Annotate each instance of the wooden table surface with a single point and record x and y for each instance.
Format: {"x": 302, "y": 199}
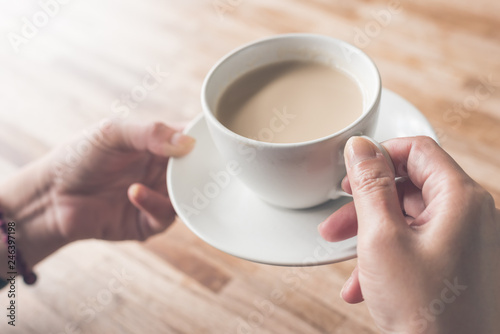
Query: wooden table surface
{"x": 69, "y": 72}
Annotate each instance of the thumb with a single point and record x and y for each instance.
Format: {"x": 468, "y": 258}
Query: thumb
{"x": 373, "y": 187}
{"x": 155, "y": 137}
{"x": 157, "y": 209}
{"x": 159, "y": 139}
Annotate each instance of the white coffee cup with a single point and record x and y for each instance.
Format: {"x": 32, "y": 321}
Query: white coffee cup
{"x": 292, "y": 175}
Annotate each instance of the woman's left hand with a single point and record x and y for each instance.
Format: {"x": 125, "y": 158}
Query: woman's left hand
{"x": 110, "y": 184}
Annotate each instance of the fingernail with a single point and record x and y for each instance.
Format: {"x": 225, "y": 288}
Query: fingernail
{"x": 135, "y": 191}
{"x": 320, "y": 231}
{"x": 180, "y": 139}
{"x": 359, "y": 149}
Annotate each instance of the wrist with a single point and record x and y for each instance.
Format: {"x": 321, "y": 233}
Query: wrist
{"x": 25, "y": 198}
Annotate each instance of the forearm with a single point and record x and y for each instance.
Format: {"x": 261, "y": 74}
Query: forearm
{"x": 26, "y": 200}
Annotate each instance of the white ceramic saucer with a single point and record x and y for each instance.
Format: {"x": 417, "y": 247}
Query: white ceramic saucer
{"x": 230, "y": 217}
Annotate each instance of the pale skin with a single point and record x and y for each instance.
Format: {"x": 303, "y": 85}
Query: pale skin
{"x": 428, "y": 246}
{"x": 114, "y": 191}
{"x": 415, "y": 238}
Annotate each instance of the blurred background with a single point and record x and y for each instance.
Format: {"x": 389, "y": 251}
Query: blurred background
{"x": 65, "y": 65}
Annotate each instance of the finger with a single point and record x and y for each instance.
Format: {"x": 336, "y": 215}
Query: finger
{"x": 341, "y": 225}
{"x": 157, "y": 208}
{"x": 411, "y": 198}
{"x": 433, "y": 171}
{"x": 421, "y": 158}
{"x": 346, "y": 186}
{"x": 351, "y": 291}
{"x": 373, "y": 187}
{"x": 155, "y": 178}
{"x": 155, "y": 137}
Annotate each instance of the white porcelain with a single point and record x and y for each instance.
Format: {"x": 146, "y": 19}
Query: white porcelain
{"x": 295, "y": 175}
{"x": 230, "y": 217}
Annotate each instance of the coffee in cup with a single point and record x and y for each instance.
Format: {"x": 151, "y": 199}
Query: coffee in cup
{"x": 320, "y": 100}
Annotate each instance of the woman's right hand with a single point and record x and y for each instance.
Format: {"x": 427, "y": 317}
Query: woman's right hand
{"x": 428, "y": 247}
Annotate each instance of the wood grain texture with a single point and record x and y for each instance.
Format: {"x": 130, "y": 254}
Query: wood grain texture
{"x": 441, "y": 55}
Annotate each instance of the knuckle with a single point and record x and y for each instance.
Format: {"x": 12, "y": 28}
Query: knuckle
{"x": 388, "y": 234}
{"x": 480, "y": 197}
{"x": 424, "y": 143}
{"x": 373, "y": 180}
{"x": 157, "y": 129}
{"x": 489, "y": 201}
{"x": 423, "y": 146}
{"x": 463, "y": 189}
{"x": 470, "y": 188}
{"x": 477, "y": 204}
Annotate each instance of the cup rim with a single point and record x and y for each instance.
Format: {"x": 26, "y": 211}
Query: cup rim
{"x": 209, "y": 113}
